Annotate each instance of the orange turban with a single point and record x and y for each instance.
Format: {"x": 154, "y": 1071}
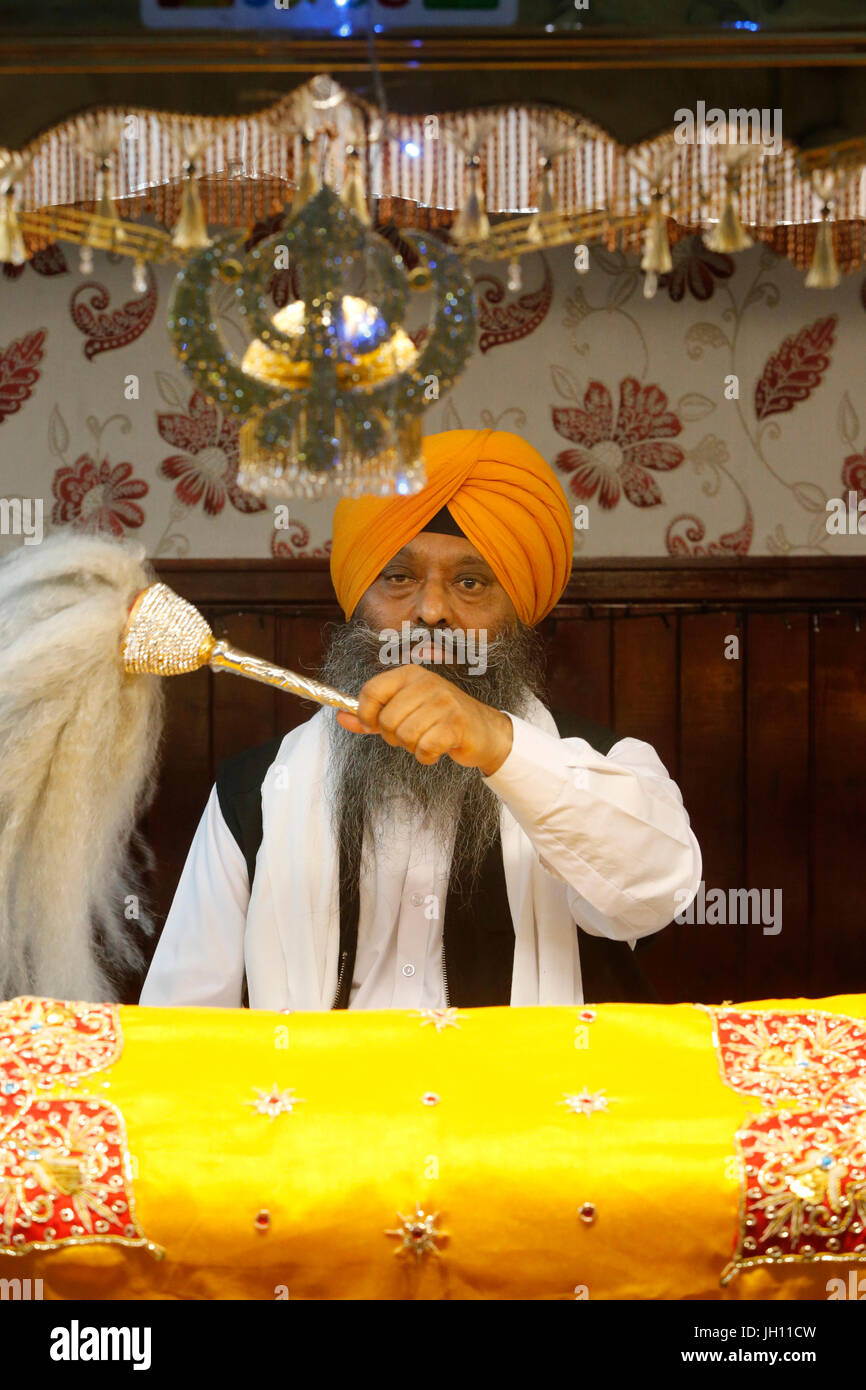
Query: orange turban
{"x": 506, "y": 500}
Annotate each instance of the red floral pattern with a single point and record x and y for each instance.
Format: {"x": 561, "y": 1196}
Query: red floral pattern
{"x": 685, "y": 534}
{"x": 795, "y": 369}
{"x": 696, "y": 270}
{"x": 613, "y": 458}
{"x": 290, "y": 543}
{"x": 803, "y": 1161}
{"x": 854, "y": 475}
{"x": 207, "y": 468}
{"x": 98, "y": 498}
{"x": 107, "y": 331}
{"x": 19, "y": 371}
{"x": 499, "y": 322}
{"x": 49, "y": 261}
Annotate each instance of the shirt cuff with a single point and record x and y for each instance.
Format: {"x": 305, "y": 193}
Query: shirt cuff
{"x": 532, "y": 751}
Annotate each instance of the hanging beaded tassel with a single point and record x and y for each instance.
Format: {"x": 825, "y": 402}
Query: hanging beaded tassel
{"x": 12, "y": 248}
{"x": 309, "y": 183}
{"x": 105, "y": 204}
{"x": 190, "y": 232}
{"x": 546, "y": 203}
{"x": 824, "y": 273}
{"x": 352, "y": 193}
{"x": 473, "y": 223}
{"x": 656, "y": 257}
{"x": 729, "y": 234}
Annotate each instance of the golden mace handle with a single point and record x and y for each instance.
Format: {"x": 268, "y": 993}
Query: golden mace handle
{"x": 226, "y": 658}
{"x": 165, "y": 635}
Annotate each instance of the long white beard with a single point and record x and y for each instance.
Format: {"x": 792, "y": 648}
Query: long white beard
{"x": 365, "y": 772}
{"x": 78, "y": 747}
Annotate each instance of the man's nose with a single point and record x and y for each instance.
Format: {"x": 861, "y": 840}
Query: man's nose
{"x": 433, "y": 605}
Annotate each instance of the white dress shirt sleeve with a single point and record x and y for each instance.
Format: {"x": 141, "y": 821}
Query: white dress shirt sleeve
{"x": 200, "y": 955}
{"x": 613, "y": 828}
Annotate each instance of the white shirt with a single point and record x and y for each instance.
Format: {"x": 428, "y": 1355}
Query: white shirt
{"x": 610, "y": 834}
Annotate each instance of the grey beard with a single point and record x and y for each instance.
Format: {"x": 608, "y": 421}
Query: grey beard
{"x": 366, "y": 774}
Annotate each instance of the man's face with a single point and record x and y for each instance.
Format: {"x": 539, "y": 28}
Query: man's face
{"x": 434, "y": 582}
{"x": 438, "y": 581}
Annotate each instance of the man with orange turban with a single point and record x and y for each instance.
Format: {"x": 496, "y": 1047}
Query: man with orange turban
{"x": 455, "y": 843}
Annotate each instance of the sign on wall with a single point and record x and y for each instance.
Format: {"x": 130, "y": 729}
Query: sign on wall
{"x": 342, "y": 17}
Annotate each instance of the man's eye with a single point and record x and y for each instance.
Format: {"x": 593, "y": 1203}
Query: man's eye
{"x": 398, "y": 576}
{"x": 469, "y": 579}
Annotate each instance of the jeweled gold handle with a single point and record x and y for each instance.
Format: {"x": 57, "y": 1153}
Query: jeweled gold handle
{"x": 226, "y": 658}
{"x": 165, "y": 635}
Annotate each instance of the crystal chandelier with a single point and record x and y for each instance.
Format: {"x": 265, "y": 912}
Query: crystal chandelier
{"x": 330, "y": 390}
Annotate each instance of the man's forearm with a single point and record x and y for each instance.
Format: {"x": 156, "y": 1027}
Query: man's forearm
{"x": 613, "y": 828}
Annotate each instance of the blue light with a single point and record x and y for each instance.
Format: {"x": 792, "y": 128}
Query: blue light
{"x": 749, "y": 24}
{"x": 344, "y": 31}
{"x": 411, "y": 148}
{"x": 341, "y": 4}
{"x": 377, "y": 28}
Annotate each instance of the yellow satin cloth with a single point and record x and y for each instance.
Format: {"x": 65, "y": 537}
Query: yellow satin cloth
{"x": 630, "y": 1189}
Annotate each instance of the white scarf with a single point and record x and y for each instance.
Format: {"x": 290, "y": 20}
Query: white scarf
{"x": 293, "y": 919}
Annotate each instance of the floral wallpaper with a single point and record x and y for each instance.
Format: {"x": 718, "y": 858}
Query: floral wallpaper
{"x": 717, "y": 418}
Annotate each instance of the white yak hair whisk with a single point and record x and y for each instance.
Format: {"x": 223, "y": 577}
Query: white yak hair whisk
{"x": 79, "y": 740}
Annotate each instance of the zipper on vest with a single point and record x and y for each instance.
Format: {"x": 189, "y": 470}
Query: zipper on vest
{"x": 445, "y": 978}
{"x": 343, "y": 958}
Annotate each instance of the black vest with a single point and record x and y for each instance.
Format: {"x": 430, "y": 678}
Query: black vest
{"x": 478, "y": 933}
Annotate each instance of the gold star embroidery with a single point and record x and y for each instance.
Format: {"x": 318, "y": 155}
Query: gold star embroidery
{"x": 274, "y": 1102}
{"x": 441, "y": 1018}
{"x": 418, "y": 1233}
{"x": 587, "y": 1102}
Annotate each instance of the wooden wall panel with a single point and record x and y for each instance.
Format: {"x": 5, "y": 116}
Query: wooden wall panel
{"x": 645, "y": 684}
{"x": 777, "y": 800}
{"x": 244, "y": 712}
{"x": 578, "y": 667}
{"x": 186, "y": 777}
{"x": 302, "y": 644}
{"x": 707, "y": 959}
{"x": 838, "y": 960}
{"x": 646, "y": 706}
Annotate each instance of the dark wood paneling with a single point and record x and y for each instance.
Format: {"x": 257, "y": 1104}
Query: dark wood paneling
{"x": 244, "y": 712}
{"x": 777, "y": 798}
{"x": 186, "y": 777}
{"x": 645, "y": 685}
{"x": 578, "y": 667}
{"x": 654, "y": 584}
{"x": 838, "y": 956}
{"x": 710, "y": 956}
{"x": 646, "y": 706}
{"x": 302, "y": 644}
